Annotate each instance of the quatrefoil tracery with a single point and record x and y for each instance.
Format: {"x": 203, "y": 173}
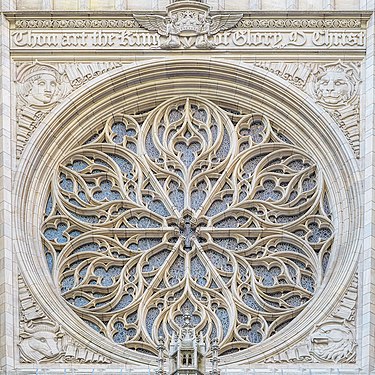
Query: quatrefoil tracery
{"x": 187, "y": 208}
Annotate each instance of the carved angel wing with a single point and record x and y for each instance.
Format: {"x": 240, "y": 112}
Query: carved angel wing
{"x": 152, "y": 23}
{"x": 223, "y": 22}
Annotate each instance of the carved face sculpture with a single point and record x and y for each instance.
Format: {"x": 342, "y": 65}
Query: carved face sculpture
{"x": 43, "y": 88}
{"x": 333, "y": 87}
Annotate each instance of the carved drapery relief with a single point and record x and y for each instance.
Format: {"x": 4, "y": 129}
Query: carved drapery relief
{"x": 156, "y": 212}
{"x": 42, "y": 340}
{"x": 40, "y": 87}
{"x": 333, "y": 86}
{"x": 333, "y": 340}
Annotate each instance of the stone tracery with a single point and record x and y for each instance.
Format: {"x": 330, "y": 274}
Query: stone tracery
{"x": 188, "y": 207}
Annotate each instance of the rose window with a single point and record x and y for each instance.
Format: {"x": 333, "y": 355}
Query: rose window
{"x": 188, "y": 208}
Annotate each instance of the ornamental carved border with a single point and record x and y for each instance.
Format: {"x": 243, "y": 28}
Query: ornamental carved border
{"x": 131, "y": 23}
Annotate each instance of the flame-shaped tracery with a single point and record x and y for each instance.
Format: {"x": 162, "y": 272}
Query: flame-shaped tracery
{"x": 187, "y": 208}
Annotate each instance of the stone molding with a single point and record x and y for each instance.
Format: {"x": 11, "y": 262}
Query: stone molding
{"x": 303, "y": 23}
{"x": 188, "y": 24}
{"x": 130, "y": 22}
{"x": 73, "y": 23}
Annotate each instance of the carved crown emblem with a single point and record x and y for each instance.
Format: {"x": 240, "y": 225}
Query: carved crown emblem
{"x": 188, "y": 18}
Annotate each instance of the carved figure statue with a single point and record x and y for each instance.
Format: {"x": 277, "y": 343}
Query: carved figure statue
{"x": 202, "y": 41}
{"x": 173, "y": 40}
{"x": 335, "y": 84}
{"x": 40, "y": 341}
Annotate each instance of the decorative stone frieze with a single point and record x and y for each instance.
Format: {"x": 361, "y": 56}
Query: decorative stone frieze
{"x": 297, "y": 23}
{"x": 246, "y": 22}
{"x": 74, "y": 23}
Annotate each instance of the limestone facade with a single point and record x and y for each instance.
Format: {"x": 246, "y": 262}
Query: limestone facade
{"x": 209, "y": 158}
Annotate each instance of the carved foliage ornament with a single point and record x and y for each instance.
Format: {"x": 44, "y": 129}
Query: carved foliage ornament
{"x": 188, "y": 20}
{"x": 187, "y": 208}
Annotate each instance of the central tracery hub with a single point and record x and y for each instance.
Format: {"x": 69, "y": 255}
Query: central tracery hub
{"x": 187, "y": 208}
{"x": 188, "y": 231}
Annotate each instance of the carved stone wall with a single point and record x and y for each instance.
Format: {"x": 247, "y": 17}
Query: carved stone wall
{"x": 196, "y": 158}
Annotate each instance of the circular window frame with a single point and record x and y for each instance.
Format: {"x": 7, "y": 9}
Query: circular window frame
{"x": 144, "y": 86}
